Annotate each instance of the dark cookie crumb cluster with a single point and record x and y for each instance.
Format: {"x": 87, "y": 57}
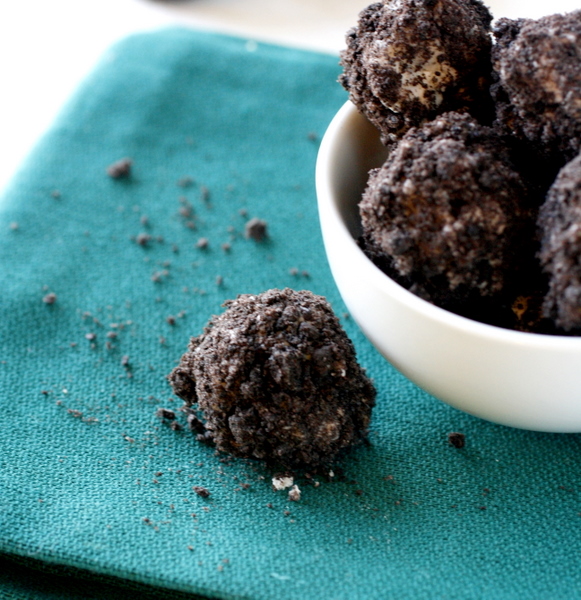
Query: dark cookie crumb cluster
{"x": 276, "y": 378}
{"x": 467, "y": 211}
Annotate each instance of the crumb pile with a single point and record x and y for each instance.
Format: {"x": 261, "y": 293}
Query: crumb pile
{"x": 276, "y": 378}
{"x": 469, "y": 204}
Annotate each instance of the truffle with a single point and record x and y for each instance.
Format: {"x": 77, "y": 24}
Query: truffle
{"x": 446, "y": 213}
{"x": 276, "y": 378}
{"x": 407, "y": 61}
{"x": 560, "y": 226}
{"x": 537, "y": 88}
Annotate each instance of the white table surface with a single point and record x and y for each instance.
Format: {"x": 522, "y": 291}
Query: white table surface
{"x": 48, "y": 46}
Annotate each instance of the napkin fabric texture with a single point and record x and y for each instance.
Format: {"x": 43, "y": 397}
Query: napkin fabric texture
{"x": 96, "y": 491}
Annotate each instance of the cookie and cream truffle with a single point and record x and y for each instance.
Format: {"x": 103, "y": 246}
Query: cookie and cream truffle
{"x": 447, "y": 211}
{"x": 276, "y": 378}
{"x": 538, "y": 83}
{"x": 407, "y": 61}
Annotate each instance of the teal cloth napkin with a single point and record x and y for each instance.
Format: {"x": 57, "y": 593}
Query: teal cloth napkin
{"x": 96, "y": 491}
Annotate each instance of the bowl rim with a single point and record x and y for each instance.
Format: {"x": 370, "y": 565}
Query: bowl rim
{"x": 328, "y": 206}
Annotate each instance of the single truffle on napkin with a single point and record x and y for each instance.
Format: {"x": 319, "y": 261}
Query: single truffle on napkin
{"x": 276, "y": 378}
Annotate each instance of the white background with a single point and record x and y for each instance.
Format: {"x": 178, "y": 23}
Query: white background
{"x": 48, "y": 46}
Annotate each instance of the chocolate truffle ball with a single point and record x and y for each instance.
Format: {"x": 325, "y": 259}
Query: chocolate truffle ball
{"x": 407, "y": 61}
{"x": 277, "y": 379}
{"x": 560, "y": 225}
{"x": 537, "y": 67}
{"x": 447, "y": 212}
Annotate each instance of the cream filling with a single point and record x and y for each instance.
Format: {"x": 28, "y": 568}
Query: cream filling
{"x": 419, "y": 76}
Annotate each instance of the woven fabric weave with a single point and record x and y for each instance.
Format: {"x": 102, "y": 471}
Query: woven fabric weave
{"x": 221, "y": 130}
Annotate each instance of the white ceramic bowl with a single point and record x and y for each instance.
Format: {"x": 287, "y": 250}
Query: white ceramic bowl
{"x": 525, "y": 380}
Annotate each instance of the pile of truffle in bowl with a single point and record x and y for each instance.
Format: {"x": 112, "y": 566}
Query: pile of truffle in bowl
{"x": 449, "y": 194}
{"x": 477, "y": 207}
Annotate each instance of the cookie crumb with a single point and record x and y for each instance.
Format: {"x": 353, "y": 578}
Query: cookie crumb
{"x": 256, "y": 229}
{"x": 195, "y": 424}
{"x": 165, "y": 413}
{"x": 456, "y": 439}
{"x": 201, "y": 491}
{"x": 120, "y": 168}
{"x": 143, "y": 239}
{"x": 282, "y": 482}
{"x": 294, "y": 494}
{"x": 50, "y": 298}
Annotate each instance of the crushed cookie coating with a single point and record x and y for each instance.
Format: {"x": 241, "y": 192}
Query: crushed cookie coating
{"x": 276, "y": 378}
{"x": 537, "y": 88}
{"x": 446, "y": 212}
{"x": 408, "y": 61}
{"x": 560, "y": 255}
